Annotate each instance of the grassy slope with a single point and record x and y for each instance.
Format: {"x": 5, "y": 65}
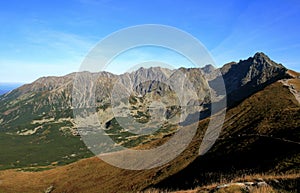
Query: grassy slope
{"x": 248, "y": 130}
{"x": 260, "y": 135}
{"x": 287, "y": 183}
{"x": 47, "y": 146}
{"x": 93, "y": 175}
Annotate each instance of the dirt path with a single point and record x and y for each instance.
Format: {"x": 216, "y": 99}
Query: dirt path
{"x": 294, "y": 87}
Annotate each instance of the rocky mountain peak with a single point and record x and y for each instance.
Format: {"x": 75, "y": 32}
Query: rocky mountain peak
{"x": 251, "y": 75}
{"x": 260, "y": 55}
{"x": 262, "y": 59}
{"x": 208, "y": 69}
{"x": 151, "y": 71}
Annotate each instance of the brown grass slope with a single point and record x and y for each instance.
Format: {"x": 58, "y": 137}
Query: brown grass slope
{"x": 274, "y": 184}
{"x": 260, "y": 135}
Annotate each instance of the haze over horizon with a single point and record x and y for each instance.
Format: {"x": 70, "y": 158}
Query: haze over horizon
{"x": 53, "y": 37}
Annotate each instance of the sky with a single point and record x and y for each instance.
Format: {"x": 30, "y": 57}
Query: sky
{"x": 43, "y": 38}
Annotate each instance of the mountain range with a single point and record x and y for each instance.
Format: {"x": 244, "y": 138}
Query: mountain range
{"x": 260, "y": 134}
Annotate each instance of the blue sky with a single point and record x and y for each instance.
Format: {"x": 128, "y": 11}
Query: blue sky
{"x": 41, "y": 38}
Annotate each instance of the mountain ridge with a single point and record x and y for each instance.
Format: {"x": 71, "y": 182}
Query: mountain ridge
{"x": 37, "y": 119}
{"x": 253, "y": 128}
{"x": 253, "y": 65}
{"x": 50, "y": 98}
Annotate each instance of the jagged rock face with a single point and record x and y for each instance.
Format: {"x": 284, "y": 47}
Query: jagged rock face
{"x": 210, "y": 72}
{"x": 262, "y": 70}
{"x": 153, "y": 73}
{"x": 208, "y": 69}
{"x": 50, "y": 95}
{"x": 147, "y": 80}
{"x": 254, "y": 71}
{"x": 248, "y": 76}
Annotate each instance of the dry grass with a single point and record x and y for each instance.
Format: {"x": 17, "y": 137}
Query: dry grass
{"x": 167, "y": 191}
{"x": 231, "y": 189}
{"x": 67, "y": 179}
{"x": 238, "y": 189}
{"x": 295, "y": 83}
{"x": 268, "y": 177}
{"x": 235, "y": 189}
{"x": 264, "y": 189}
{"x": 293, "y": 73}
{"x": 155, "y": 191}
